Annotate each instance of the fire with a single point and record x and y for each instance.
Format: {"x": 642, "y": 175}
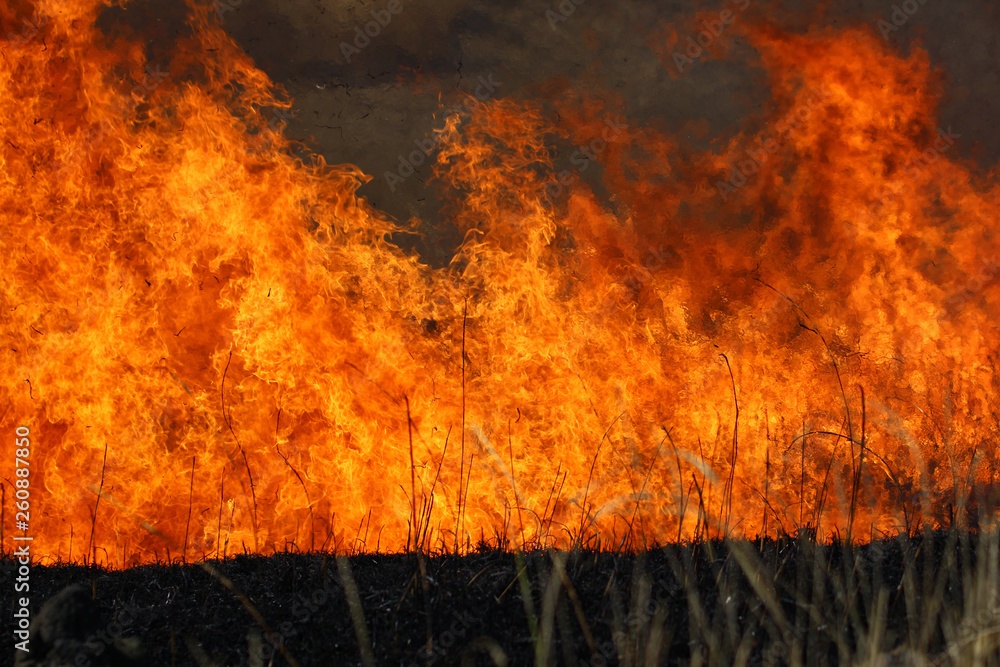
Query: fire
{"x": 218, "y": 350}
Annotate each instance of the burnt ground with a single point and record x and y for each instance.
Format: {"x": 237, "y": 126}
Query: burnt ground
{"x": 607, "y": 609}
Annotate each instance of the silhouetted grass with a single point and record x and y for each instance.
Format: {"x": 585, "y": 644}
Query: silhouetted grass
{"x": 929, "y": 598}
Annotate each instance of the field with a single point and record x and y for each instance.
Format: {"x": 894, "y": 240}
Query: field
{"x": 926, "y": 599}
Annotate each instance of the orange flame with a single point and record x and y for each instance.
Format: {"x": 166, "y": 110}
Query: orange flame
{"x": 219, "y": 342}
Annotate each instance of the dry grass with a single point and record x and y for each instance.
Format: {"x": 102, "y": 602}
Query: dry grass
{"x": 930, "y": 599}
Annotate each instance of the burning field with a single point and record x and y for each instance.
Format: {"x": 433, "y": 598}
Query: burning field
{"x": 550, "y": 305}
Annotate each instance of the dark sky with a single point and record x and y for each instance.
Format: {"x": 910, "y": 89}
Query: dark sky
{"x": 367, "y": 106}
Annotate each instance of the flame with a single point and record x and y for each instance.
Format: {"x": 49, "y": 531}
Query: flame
{"x": 217, "y": 349}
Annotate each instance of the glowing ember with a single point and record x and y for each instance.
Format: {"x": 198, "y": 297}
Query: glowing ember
{"x": 220, "y": 341}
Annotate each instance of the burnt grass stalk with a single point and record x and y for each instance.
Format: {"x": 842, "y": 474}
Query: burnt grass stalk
{"x": 930, "y": 598}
